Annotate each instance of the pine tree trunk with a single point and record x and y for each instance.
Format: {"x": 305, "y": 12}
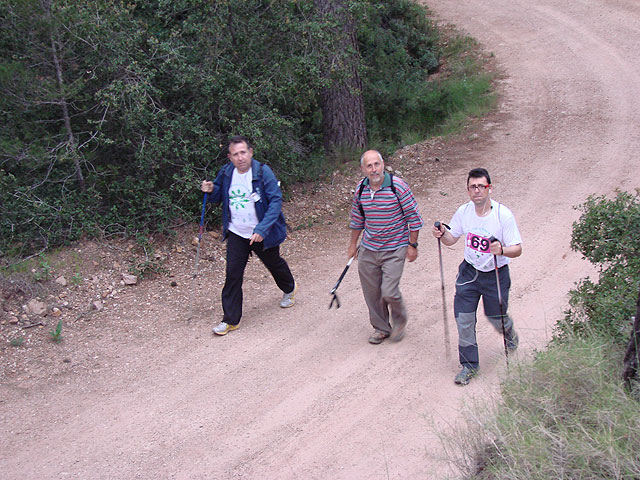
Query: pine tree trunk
{"x": 343, "y": 119}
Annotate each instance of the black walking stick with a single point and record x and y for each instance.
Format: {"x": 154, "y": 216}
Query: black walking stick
{"x": 195, "y": 270}
{"x": 504, "y": 333}
{"x": 444, "y": 301}
{"x": 335, "y": 299}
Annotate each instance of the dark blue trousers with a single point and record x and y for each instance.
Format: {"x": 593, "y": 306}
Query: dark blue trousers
{"x": 471, "y": 284}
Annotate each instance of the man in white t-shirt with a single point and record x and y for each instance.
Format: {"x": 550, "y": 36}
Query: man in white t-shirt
{"x": 489, "y": 229}
{"x": 252, "y": 221}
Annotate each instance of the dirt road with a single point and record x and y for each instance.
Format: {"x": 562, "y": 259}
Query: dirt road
{"x": 299, "y": 393}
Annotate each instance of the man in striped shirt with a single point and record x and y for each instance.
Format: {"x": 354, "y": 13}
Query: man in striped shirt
{"x": 384, "y": 207}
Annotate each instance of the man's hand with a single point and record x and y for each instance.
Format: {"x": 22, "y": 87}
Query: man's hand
{"x": 207, "y": 187}
{"x": 412, "y": 253}
{"x": 256, "y": 237}
{"x": 495, "y": 247}
{"x": 438, "y": 232}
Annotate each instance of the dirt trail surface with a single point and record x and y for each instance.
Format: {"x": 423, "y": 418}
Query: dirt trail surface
{"x": 139, "y": 391}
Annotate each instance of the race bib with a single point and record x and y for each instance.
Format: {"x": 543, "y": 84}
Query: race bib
{"x": 477, "y": 243}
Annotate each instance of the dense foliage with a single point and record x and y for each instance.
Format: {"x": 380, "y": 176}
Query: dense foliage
{"x": 112, "y": 111}
{"x": 608, "y": 235}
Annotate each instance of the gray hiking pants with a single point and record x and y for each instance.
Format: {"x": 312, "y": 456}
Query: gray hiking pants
{"x": 471, "y": 284}
{"x": 380, "y": 273}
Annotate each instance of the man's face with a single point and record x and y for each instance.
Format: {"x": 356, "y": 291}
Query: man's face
{"x": 373, "y": 167}
{"x": 478, "y": 189}
{"x": 240, "y": 155}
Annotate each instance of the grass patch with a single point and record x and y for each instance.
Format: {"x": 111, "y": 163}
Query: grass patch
{"x": 443, "y": 104}
{"x": 56, "y": 334}
{"x": 564, "y": 415}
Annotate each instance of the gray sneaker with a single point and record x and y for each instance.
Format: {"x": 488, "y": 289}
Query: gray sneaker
{"x": 223, "y": 328}
{"x": 288, "y": 299}
{"x": 512, "y": 340}
{"x": 465, "y": 375}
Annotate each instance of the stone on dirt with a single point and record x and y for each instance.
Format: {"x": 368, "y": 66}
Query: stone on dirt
{"x": 36, "y": 307}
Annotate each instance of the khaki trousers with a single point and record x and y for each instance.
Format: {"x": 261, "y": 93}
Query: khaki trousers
{"x": 380, "y": 273}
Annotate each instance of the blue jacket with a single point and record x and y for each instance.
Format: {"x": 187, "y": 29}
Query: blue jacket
{"x": 272, "y": 226}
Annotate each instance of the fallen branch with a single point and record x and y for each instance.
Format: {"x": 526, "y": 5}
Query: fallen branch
{"x": 31, "y": 325}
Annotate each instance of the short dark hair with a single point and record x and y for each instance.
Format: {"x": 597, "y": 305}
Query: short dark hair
{"x": 479, "y": 173}
{"x": 239, "y": 139}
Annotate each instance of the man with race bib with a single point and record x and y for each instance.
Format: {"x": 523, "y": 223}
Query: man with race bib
{"x": 490, "y": 231}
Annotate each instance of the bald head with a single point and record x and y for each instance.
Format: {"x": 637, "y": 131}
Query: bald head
{"x": 372, "y": 165}
{"x": 369, "y": 154}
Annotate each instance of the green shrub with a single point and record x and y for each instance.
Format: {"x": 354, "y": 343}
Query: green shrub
{"x": 404, "y": 103}
{"x": 608, "y": 235}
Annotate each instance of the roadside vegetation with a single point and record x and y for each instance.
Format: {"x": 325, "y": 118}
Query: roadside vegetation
{"x": 112, "y": 112}
{"x": 568, "y": 414}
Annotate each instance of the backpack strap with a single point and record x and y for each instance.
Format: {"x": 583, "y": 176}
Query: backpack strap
{"x": 393, "y": 189}
{"x": 395, "y": 192}
{"x": 360, "y": 195}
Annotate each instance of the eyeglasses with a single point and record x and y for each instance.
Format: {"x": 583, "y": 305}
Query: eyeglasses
{"x": 477, "y": 187}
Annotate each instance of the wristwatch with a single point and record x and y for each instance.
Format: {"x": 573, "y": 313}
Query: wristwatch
{"x": 414, "y": 245}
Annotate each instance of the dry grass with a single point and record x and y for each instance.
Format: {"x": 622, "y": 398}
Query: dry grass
{"x": 566, "y": 415}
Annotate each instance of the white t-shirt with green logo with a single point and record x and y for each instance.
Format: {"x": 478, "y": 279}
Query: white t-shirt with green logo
{"x": 242, "y": 204}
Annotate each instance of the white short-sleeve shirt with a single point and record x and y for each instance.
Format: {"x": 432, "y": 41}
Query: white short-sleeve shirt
{"x": 500, "y": 223}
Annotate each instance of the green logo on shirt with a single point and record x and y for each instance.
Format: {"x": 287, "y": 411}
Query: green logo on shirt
{"x": 238, "y": 199}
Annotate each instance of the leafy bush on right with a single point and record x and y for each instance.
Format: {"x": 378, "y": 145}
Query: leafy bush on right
{"x": 608, "y": 235}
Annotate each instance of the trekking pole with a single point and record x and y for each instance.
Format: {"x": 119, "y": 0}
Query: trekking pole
{"x": 334, "y": 299}
{"x": 504, "y": 333}
{"x": 195, "y": 270}
{"x": 444, "y": 301}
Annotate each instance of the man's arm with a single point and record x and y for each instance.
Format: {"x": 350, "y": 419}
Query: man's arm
{"x": 408, "y": 205}
{"x": 214, "y": 189}
{"x": 352, "y": 250}
{"x": 510, "y": 236}
{"x": 412, "y": 252}
{"x": 512, "y": 251}
{"x": 444, "y": 235}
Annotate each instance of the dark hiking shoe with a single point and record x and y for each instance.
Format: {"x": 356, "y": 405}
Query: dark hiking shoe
{"x": 465, "y": 375}
{"x": 513, "y": 341}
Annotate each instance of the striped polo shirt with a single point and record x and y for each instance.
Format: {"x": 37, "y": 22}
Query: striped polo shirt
{"x": 385, "y": 225}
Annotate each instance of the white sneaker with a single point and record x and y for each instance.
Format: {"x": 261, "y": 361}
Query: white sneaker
{"x": 288, "y": 299}
{"x": 223, "y": 328}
